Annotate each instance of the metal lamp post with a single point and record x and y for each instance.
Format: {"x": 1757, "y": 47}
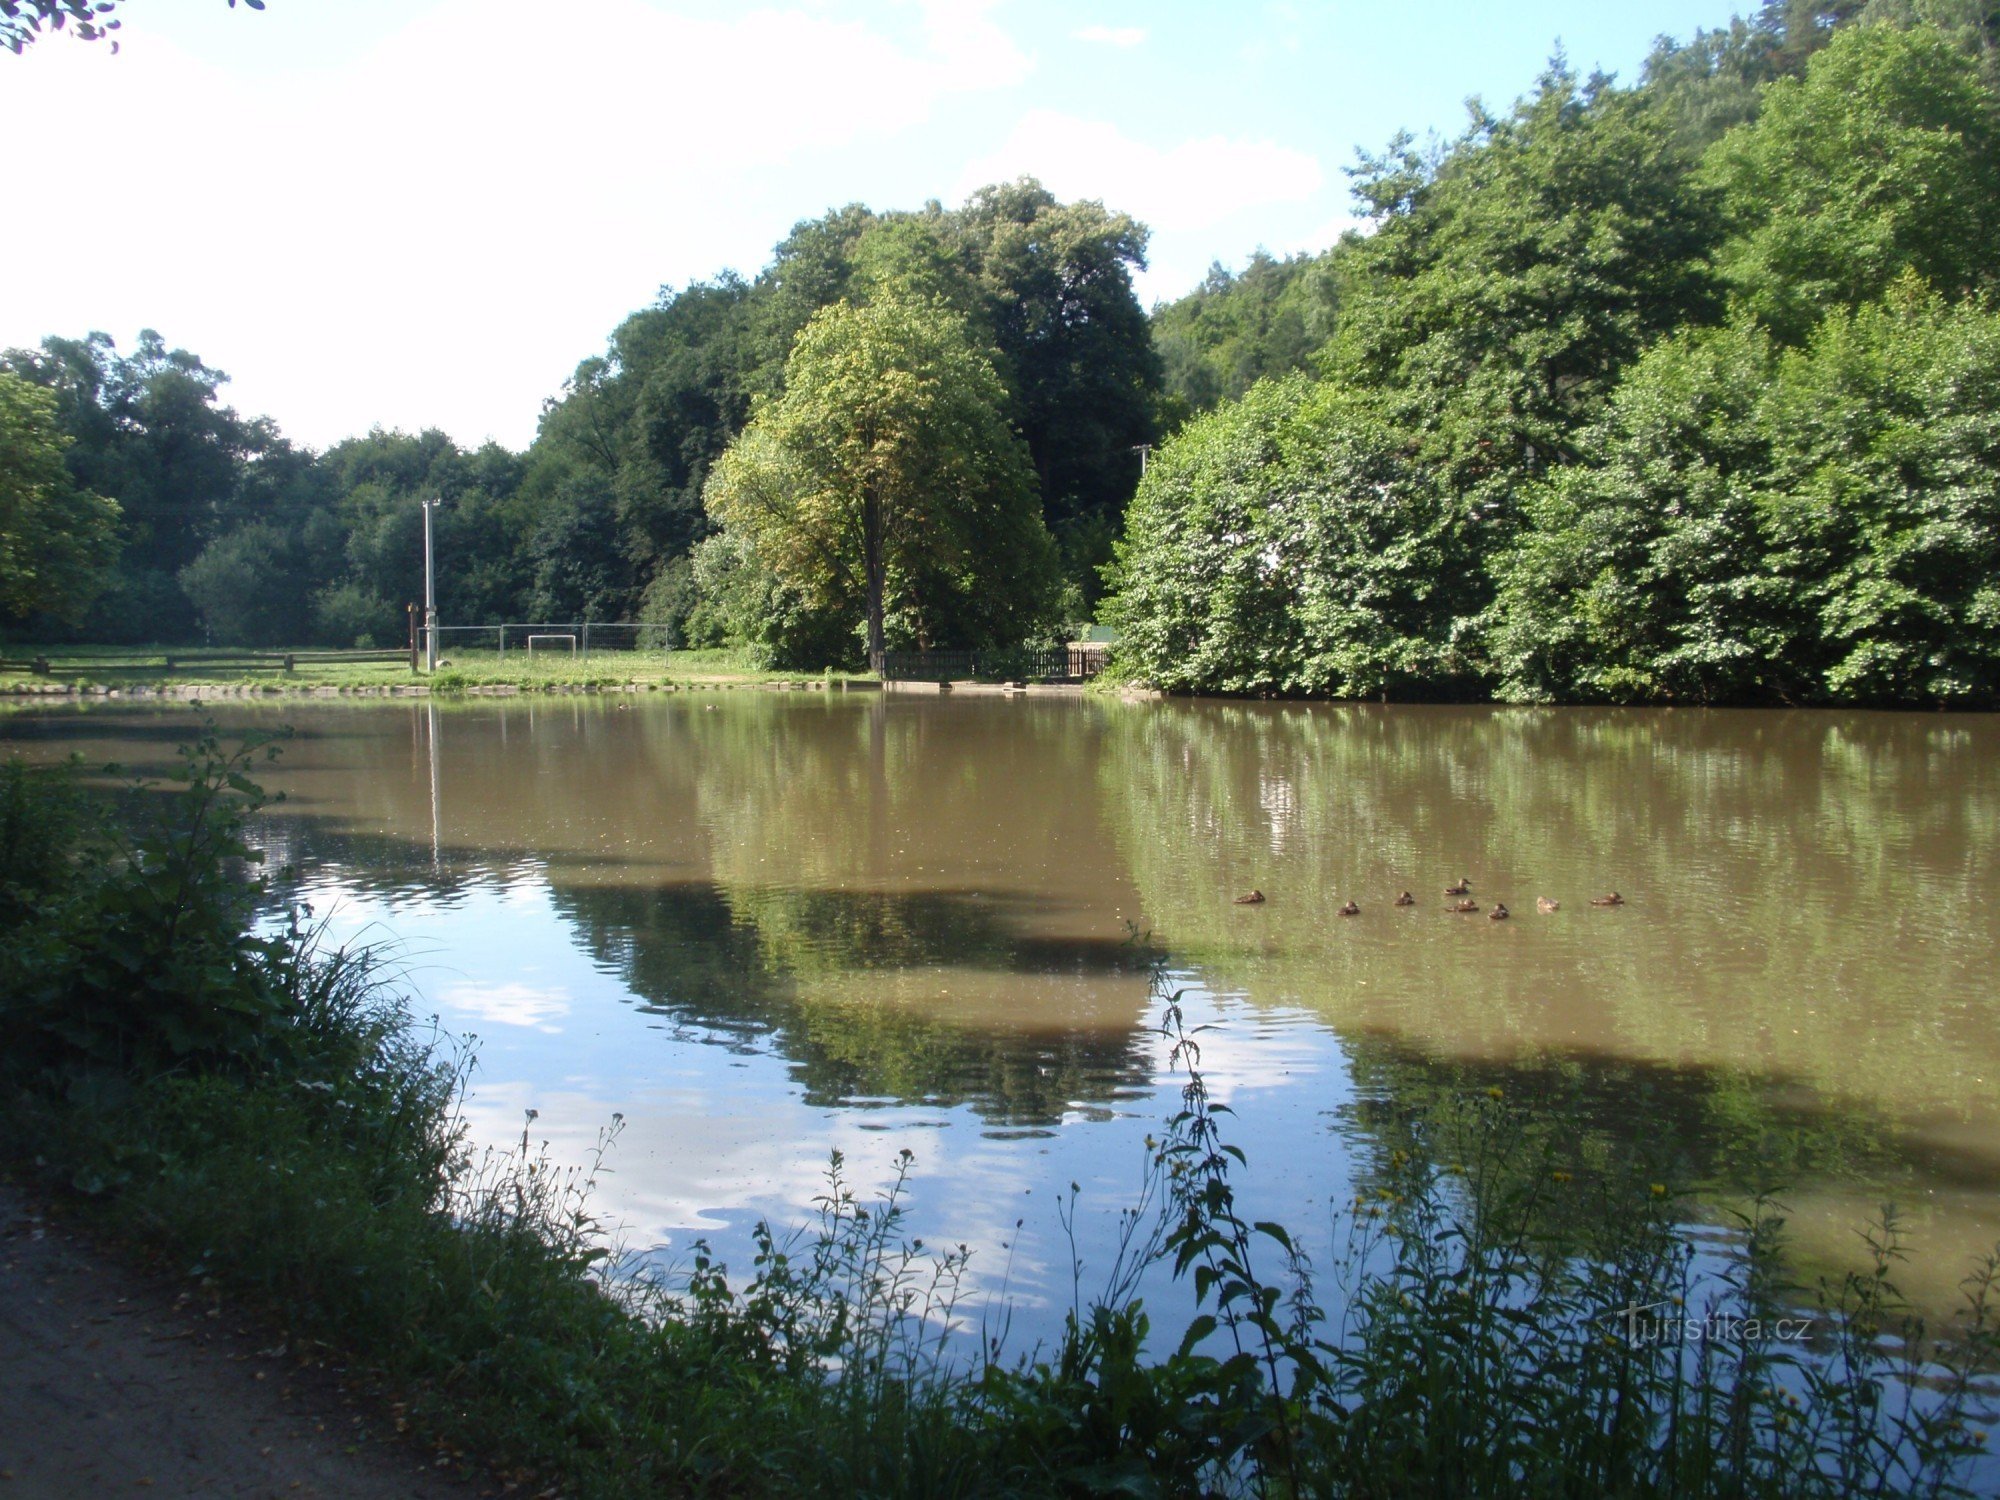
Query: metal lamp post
{"x": 430, "y": 593}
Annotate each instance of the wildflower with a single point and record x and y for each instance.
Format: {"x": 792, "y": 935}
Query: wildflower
{"x": 1496, "y": 1093}
{"x": 1659, "y": 1190}
{"x": 1562, "y": 1176}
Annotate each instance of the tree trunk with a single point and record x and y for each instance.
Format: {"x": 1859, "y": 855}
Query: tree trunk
{"x": 874, "y": 566}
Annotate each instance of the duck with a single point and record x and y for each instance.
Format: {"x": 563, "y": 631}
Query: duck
{"x": 1254, "y": 898}
{"x": 1350, "y": 910}
{"x": 1499, "y": 912}
{"x": 1463, "y": 888}
{"x": 1406, "y": 899}
{"x": 1614, "y": 899}
{"x": 1544, "y": 905}
{"x": 1466, "y": 905}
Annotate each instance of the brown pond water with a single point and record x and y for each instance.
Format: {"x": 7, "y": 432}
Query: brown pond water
{"x": 767, "y": 926}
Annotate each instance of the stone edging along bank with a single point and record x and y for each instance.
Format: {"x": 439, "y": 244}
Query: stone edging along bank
{"x": 192, "y": 691}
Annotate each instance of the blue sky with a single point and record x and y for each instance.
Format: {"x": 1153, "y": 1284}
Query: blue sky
{"x": 424, "y": 212}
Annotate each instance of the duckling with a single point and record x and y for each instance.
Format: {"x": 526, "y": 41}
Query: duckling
{"x": 1406, "y": 899}
{"x": 1544, "y": 905}
{"x": 1499, "y": 912}
{"x": 1614, "y": 899}
{"x": 1350, "y": 910}
{"x": 1466, "y": 905}
{"x": 1463, "y": 888}
{"x": 1255, "y": 898}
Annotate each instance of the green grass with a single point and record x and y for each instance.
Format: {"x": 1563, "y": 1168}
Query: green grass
{"x": 88, "y": 667}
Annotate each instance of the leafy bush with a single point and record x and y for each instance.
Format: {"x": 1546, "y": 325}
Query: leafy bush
{"x": 1290, "y": 544}
{"x": 140, "y": 961}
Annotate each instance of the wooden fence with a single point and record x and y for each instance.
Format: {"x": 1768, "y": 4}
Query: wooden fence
{"x": 199, "y": 661}
{"x": 1072, "y": 663}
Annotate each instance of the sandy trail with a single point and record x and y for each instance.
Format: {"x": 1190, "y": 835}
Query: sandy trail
{"x": 114, "y": 1384}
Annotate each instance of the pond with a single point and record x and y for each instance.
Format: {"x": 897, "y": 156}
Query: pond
{"x": 765, "y": 927}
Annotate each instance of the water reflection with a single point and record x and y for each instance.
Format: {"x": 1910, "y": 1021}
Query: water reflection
{"x": 790, "y": 920}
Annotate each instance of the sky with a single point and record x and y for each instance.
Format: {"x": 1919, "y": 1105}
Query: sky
{"x": 424, "y": 213}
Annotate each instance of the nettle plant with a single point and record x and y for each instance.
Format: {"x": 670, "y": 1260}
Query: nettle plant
{"x": 136, "y": 957}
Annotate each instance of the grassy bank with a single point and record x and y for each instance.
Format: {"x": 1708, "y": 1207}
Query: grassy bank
{"x": 152, "y": 668}
{"x": 1488, "y": 1319}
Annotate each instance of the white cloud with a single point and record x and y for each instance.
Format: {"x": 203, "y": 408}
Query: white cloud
{"x": 963, "y": 37}
{"x": 508, "y": 1004}
{"x": 1191, "y": 186}
{"x": 435, "y": 233}
{"x": 1112, "y": 36}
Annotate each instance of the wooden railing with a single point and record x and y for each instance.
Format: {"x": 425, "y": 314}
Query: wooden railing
{"x": 197, "y": 661}
{"x": 1072, "y": 663}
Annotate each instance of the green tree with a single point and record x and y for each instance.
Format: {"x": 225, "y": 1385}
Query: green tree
{"x": 1759, "y": 525}
{"x": 1883, "y": 158}
{"x": 148, "y": 430}
{"x": 1235, "y": 330}
{"x": 1074, "y": 348}
{"x": 251, "y": 587}
{"x": 1644, "y": 574}
{"x": 57, "y": 541}
{"x": 1291, "y": 543}
{"x": 885, "y": 484}
{"x": 1884, "y": 489}
{"x": 1509, "y": 282}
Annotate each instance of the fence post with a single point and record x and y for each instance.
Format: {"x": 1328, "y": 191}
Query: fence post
{"x": 586, "y": 640}
{"x": 41, "y": 666}
{"x": 288, "y": 662}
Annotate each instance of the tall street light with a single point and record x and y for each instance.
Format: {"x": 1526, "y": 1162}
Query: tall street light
{"x": 430, "y": 592}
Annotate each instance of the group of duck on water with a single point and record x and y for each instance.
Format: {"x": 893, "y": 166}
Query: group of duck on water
{"x": 1463, "y": 890}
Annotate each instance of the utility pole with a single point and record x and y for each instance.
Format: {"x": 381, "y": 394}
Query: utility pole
{"x": 430, "y": 593}
{"x": 1143, "y": 450}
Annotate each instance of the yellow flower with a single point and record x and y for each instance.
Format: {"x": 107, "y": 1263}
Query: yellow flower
{"x": 1659, "y": 1190}
{"x": 1496, "y": 1093}
{"x": 1562, "y": 1177}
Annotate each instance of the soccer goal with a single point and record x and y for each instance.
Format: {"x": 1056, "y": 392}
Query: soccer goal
{"x": 549, "y": 643}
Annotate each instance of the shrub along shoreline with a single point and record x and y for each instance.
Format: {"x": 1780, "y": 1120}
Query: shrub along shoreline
{"x": 267, "y": 1113}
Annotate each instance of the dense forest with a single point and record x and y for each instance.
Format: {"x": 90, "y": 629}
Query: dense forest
{"x": 1681, "y": 391}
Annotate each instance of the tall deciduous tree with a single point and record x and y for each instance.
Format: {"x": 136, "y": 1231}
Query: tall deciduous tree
{"x": 886, "y": 482}
{"x": 57, "y": 542}
{"x": 1884, "y": 158}
{"x": 1509, "y": 284}
{"x": 1075, "y": 348}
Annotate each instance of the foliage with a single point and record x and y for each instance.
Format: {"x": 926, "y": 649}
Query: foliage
{"x": 1642, "y": 573}
{"x": 250, "y": 587}
{"x": 1883, "y": 159}
{"x": 1291, "y": 544}
{"x": 1508, "y": 284}
{"x": 138, "y": 962}
{"x": 1578, "y": 327}
{"x": 1267, "y": 320}
{"x": 1821, "y": 525}
{"x": 56, "y": 539}
{"x": 21, "y": 21}
{"x": 1074, "y": 347}
{"x": 885, "y": 481}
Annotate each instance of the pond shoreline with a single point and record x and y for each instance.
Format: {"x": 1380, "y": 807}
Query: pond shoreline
{"x": 194, "y": 691}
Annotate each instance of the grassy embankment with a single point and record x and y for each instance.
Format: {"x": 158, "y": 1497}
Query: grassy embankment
{"x": 87, "y": 668}
{"x": 273, "y": 1120}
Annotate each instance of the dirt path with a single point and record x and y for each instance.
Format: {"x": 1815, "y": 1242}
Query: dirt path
{"x": 113, "y": 1384}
